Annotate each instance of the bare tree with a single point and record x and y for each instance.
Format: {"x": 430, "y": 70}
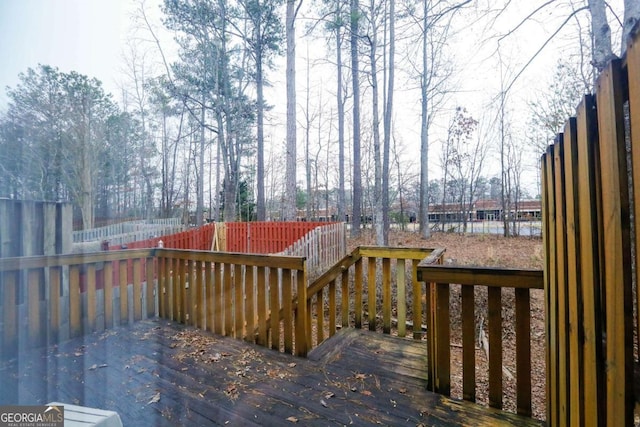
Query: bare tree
{"x": 355, "y": 78}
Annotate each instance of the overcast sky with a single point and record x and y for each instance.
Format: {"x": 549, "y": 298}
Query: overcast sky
{"x": 80, "y": 35}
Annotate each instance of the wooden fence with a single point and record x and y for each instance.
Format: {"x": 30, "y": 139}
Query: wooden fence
{"x": 475, "y": 281}
{"x": 198, "y": 239}
{"x": 322, "y": 247}
{"x": 591, "y": 188}
{"x": 261, "y": 237}
{"x": 120, "y": 231}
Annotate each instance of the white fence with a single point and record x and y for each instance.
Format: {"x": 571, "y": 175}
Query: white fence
{"x": 138, "y": 230}
{"x": 323, "y": 246}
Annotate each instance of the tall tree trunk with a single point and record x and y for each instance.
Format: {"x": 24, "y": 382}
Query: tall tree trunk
{"x": 600, "y": 34}
{"x": 355, "y": 78}
{"x": 307, "y": 143}
{"x": 377, "y": 175}
{"x": 423, "y": 215}
{"x": 341, "y": 177}
{"x": 291, "y": 157}
{"x": 387, "y": 124}
{"x": 261, "y": 212}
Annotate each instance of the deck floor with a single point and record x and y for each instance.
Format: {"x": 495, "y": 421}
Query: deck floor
{"x": 159, "y": 373}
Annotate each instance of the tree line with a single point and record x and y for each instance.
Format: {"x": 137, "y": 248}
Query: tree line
{"x": 188, "y": 133}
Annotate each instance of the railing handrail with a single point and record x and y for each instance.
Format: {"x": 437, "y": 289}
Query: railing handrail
{"x": 251, "y": 260}
{"x": 482, "y": 276}
{"x": 19, "y": 263}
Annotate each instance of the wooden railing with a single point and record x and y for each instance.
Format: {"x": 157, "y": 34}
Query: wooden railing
{"x": 591, "y": 213}
{"x": 322, "y": 247}
{"x": 344, "y": 296}
{"x": 234, "y": 294}
{"x": 492, "y": 281}
{"x": 47, "y": 299}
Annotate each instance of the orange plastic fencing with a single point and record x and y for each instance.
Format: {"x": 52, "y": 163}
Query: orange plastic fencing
{"x": 265, "y": 237}
{"x": 196, "y": 239}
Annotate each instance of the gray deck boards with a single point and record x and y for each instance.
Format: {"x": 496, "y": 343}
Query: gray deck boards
{"x": 158, "y": 373}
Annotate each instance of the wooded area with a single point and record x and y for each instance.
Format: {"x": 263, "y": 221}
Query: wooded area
{"x": 192, "y": 134}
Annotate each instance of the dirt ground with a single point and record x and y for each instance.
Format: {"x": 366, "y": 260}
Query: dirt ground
{"x": 494, "y": 251}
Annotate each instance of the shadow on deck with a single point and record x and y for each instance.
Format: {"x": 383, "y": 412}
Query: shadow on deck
{"x": 159, "y": 373}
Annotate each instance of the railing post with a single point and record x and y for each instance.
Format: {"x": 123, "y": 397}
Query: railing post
{"x": 302, "y": 315}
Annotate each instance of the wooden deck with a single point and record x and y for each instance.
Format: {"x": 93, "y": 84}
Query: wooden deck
{"x": 159, "y": 373}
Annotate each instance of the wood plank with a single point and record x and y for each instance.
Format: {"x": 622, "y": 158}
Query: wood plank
{"x": 33, "y": 285}
{"x": 443, "y": 340}
{"x": 190, "y": 293}
{"x": 238, "y": 302}
{"x": 249, "y": 307}
{"x": 124, "y": 294}
{"x": 468, "y": 344}
{"x": 276, "y": 261}
{"x": 495, "y": 346}
{"x": 320, "y": 316}
{"x": 91, "y": 296}
{"x": 54, "y": 302}
{"x": 616, "y": 247}
{"x": 107, "y": 279}
{"x": 75, "y": 325}
{"x": 491, "y": 276}
{"x": 228, "y": 300}
{"x": 402, "y": 297}
{"x": 303, "y": 324}
{"x": 562, "y": 285}
{"x": 576, "y": 393}
{"x": 218, "y": 295}
{"x": 386, "y": 295}
{"x": 395, "y": 252}
{"x": 274, "y": 302}
{"x": 287, "y": 306}
{"x": 549, "y": 237}
{"x": 27, "y": 262}
{"x": 152, "y": 265}
{"x": 181, "y": 291}
{"x": 592, "y": 370}
{"x": 523, "y": 352}
{"x": 371, "y": 293}
{"x": 344, "y": 284}
{"x": 633, "y": 78}
{"x": 357, "y": 284}
{"x": 9, "y": 282}
{"x": 332, "y": 308}
{"x": 137, "y": 289}
{"x": 417, "y": 303}
{"x": 263, "y": 338}
{"x": 208, "y": 296}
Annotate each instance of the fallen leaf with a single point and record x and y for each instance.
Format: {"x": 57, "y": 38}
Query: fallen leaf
{"x": 403, "y": 390}
{"x": 104, "y": 365}
{"x": 292, "y": 365}
{"x": 292, "y": 419}
{"x": 360, "y": 376}
{"x": 329, "y": 395}
{"x": 366, "y": 392}
{"x": 92, "y": 367}
{"x": 323, "y": 403}
{"x": 154, "y": 399}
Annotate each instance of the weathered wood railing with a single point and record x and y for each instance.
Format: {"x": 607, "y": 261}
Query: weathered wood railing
{"x": 235, "y": 294}
{"x": 45, "y": 299}
{"x": 364, "y": 299}
{"x": 439, "y": 280}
